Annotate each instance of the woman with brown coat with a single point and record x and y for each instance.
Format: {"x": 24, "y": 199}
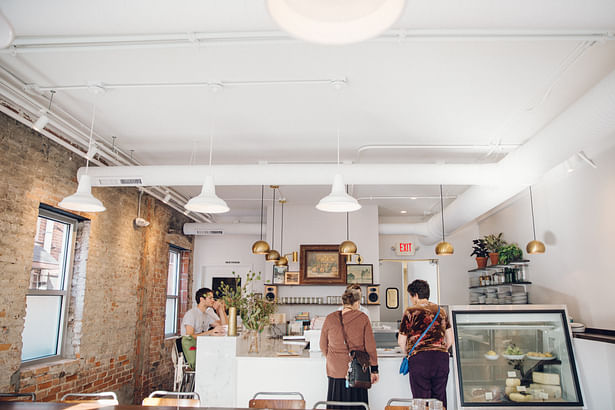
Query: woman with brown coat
{"x": 360, "y": 337}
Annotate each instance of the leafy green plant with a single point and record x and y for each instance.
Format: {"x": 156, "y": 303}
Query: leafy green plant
{"x": 494, "y": 242}
{"x": 479, "y": 249}
{"x": 253, "y": 309}
{"x": 510, "y": 253}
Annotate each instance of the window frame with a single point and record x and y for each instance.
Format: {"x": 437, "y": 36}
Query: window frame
{"x": 178, "y": 251}
{"x": 66, "y": 281}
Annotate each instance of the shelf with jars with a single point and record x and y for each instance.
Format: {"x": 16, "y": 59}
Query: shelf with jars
{"x": 500, "y": 284}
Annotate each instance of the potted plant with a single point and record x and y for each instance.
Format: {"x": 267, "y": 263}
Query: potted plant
{"x": 479, "y": 249}
{"x": 494, "y": 244}
{"x": 253, "y": 309}
{"x": 510, "y": 253}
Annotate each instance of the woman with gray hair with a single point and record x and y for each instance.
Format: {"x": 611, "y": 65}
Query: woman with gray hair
{"x": 359, "y": 336}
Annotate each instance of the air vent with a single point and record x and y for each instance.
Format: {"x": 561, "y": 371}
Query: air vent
{"x": 120, "y": 181}
{"x": 210, "y": 232}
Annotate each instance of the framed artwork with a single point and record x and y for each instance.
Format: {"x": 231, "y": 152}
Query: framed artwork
{"x": 322, "y": 264}
{"x": 279, "y": 274}
{"x": 362, "y": 274}
{"x": 291, "y": 278}
{"x": 392, "y": 299}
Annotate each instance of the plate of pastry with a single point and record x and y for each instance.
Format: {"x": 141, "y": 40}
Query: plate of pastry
{"x": 491, "y": 355}
{"x": 540, "y": 356}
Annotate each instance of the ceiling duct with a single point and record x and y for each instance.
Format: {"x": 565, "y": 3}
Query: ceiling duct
{"x": 221, "y": 229}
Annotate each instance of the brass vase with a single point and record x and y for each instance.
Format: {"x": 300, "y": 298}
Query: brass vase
{"x": 232, "y": 321}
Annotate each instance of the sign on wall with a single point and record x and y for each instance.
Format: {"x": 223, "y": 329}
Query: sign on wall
{"x": 404, "y": 248}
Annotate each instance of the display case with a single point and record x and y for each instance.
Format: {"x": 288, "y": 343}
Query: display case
{"x": 514, "y": 356}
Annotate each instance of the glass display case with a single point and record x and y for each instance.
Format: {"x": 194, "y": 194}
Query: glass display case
{"x": 514, "y": 356}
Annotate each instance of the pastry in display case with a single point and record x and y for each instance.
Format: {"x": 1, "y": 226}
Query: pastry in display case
{"x": 512, "y": 356}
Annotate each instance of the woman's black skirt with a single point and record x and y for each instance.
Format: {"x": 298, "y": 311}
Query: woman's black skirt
{"x": 339, "y": 392}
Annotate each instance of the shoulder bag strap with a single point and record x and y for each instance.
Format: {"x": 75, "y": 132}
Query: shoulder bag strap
{"x": 344, "y": 332}
{"x": 426, "y": 330}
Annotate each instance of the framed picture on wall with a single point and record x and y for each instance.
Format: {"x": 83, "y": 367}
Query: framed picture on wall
{"x": 291, "y": 278}
{"x": 322, "y": 264}
{"x": 362, "y": 274}
{"x": 279, "y": 274}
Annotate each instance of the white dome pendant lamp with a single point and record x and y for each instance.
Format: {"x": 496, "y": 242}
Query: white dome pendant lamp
{"x": 338, "y": 200}
{"x": 208, "y": 202}
{"x": 335, "y": 21}
{"x": 83, "y": 200}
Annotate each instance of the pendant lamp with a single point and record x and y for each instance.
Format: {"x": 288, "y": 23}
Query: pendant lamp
{"x": 208, "y": 202}
{"x": 43, "y": 120}
{"x": 534, "y": 247}
{"x": 348, "y": 247}
{"x": 338, "y": 200}
{"x": 335, "y": 21}
{"x": 261, "y": 247}
{"x": 443, "y": 248}
{"x": 273, "y": 255}
{"x": 283, "y": 260}
{"x": 83, "y": 200}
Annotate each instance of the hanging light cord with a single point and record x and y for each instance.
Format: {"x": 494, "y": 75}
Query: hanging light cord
{"x": 87, "y": 162}
{"x": 282, "y": 232}
{"x": 51, "y": 99}
{"x": 262, "y": 196}
{"x": 532, "y": 207}
{"x": 273, "y": 222}
{"x": 442, "y": 212}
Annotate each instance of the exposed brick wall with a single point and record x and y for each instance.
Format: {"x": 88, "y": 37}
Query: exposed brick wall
{"x": 116, "y": 324}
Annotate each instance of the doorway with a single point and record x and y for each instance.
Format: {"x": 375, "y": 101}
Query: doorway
{"x": 395, "y": 275}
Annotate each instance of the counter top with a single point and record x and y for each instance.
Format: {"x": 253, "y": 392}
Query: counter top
{"x": 597, "y": 335}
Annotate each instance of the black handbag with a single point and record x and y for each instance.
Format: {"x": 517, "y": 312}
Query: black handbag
{"x": 359, "y": 374}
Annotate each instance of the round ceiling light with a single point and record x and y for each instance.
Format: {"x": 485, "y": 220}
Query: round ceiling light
{"x": 335, "y": 21}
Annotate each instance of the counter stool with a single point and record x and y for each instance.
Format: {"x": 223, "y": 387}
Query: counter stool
{"x": 340, "y": 403}
{"x": 390, "y": 407}
{"x": 184, "y": 375}
{"x": 17, "y": 397}
{"x": 277, "y": 403}
{"x": 160, "y": 398}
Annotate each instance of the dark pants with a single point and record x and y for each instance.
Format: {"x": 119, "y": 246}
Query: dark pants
{"x": 339, "y": 392}
{"x": 428, "y": 375}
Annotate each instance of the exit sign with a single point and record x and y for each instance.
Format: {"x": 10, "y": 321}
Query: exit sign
{"x": 404, "y": 248}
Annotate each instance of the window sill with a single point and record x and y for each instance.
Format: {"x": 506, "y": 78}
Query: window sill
{"x": 55, "y": 361}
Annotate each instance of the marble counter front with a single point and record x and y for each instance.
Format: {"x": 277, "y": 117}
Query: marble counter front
{"x": 224, "y": 378}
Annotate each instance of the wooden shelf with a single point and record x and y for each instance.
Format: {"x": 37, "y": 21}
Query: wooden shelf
{"x": 510, "y": 265}
{"x": 323, "y": 304}
{"x": 500, "y": 285}
{"x": 320, "y": 284}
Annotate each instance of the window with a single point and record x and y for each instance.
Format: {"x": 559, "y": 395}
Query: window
{"x": 47, "y": 296}
{"x": 170, "y": 322}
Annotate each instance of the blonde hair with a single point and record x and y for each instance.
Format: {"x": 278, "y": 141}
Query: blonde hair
{"x": 351, "y": 296}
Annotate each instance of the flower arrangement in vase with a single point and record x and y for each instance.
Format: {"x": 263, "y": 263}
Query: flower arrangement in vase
{"x": 494, "y": 244}
{"x": 479, "y": 249}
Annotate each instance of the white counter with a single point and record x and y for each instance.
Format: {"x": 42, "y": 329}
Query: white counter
{"x": 224, "y": 379}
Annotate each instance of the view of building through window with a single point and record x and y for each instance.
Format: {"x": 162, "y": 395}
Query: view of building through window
{"x": 48, "y": 291}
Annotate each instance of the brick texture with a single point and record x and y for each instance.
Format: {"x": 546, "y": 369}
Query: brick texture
{"x": 115, "y": 339}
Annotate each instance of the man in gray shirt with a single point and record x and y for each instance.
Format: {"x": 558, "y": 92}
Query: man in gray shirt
{"x": 207, "y": 313}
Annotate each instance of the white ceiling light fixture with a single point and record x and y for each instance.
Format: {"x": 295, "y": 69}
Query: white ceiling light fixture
{"x": 338, "y": 200}
{"x": 335, "y": 21}
{"x": 43, "y": 120}
{"x": 208, "y": 202}
{"x": 83, "y": 200}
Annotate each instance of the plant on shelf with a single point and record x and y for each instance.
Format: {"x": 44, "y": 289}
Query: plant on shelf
{"x": 479, "y": 249}
{"x": 494, "y": 244}
{"x": 254, "y": 310}
{"x": 510, "y": 253}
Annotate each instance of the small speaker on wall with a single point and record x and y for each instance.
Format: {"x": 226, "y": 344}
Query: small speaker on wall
{"x": 271, "y": 293}
{"x": 373, "y": 295}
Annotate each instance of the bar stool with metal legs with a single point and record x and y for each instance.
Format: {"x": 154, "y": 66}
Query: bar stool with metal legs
{"x": 184, "y": 375}
{"x": 17, "y": 397}
{"x": 340, "y": 403}
{"x": 298, "y": 403}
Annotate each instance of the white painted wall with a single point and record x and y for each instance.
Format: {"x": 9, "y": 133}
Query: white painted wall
{"x": 594, "y": 362}
{"x": 575, "y": 219}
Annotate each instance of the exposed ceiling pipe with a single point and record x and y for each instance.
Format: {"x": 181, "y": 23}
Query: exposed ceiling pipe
{"x": 300, "y": 174}
{"x": 589, "y": 120}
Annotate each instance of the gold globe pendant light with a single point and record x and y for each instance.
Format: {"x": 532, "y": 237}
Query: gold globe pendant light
{"x": 261, "y": 247}
{"x": 534, "y": 247}
{"x": 283, "y": 260}
{"x": 443, "y": 248}
{"x": 273, "y": 255}
{"x": 348, "y": 247}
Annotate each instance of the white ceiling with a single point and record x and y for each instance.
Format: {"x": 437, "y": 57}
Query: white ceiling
{"x": 448, "y": 73}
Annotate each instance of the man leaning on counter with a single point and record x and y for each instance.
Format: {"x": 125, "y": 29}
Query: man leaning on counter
{"x": 208, "y": 317}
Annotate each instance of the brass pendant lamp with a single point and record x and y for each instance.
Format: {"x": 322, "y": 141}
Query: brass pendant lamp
{"x": 283, "y": 261}
{"x": 443, "y": 248}
{"x": 273, "y": 255}
{"x": 261, "y": 247}
{"x": 534, "y": 247}
{"x": 348, "y": 247}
